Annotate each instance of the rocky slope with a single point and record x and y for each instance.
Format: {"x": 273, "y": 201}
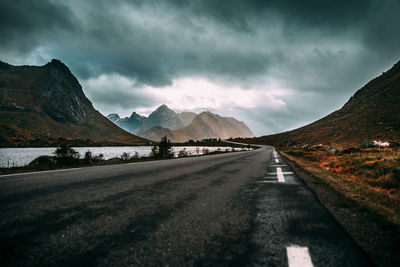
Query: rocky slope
{"x": 157, "y": 132}
{"x": 187, "y": 117}
{"x": 44, "y": 105}
{"x": 162, "y": 116}
{"x": 204, "y": 125}
{"x": 372, "y": 113}
{"x": 131, "y": 124}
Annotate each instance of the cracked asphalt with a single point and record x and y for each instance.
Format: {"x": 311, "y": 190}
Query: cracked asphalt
{"x": 218, "y": 210}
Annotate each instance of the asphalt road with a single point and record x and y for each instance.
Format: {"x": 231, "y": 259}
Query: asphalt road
{"x": 236, "y": 209}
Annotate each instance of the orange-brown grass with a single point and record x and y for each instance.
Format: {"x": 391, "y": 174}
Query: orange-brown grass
{"x": 369, "y": 177}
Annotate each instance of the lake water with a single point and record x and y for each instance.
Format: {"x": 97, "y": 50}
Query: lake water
{"x": 10, "y": 157}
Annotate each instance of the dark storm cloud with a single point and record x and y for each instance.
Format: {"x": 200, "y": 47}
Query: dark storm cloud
{"x": 112, "y": 43}
{"x": 24, "y": 22}
{"x": 122, "y": 99}
{"x": 325, "y": 48}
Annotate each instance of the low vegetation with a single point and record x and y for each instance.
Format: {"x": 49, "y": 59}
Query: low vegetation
{"x": 67, "y": 157}
{"x": 211, "y": 142}
{"x": 163, "y": 150}
{"x": 366, "y": 177}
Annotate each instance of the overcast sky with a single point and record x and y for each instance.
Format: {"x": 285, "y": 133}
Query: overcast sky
{"x": 274, "y": 64}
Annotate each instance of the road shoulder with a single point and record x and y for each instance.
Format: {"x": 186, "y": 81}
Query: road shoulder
{"x": 379, "y": 242}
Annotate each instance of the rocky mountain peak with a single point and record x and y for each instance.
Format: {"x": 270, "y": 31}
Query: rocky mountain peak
{"x": 183, "y": 126}
{"x": 57, "y": 64}
{"x": 113, "y": 117}
{"x": 48, "y": 102}
{"x": 163, "y": 109}
{"x": 59, "y": 73}
{"x": 134, "y": 115}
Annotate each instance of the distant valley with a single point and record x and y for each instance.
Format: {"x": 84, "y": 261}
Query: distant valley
{"x": 181, "y": 127}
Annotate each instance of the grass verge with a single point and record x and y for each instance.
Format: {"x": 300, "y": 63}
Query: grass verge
{"x": 381, "y": 205}
{"x": 370, "y": 215}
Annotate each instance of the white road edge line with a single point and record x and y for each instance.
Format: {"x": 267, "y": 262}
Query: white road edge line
{"x": 298, "y": 257}
{"x": 38, "y": 172}
{"x": 279, "y": 173}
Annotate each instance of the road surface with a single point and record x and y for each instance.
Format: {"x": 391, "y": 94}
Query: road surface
{"x": 236, "y": 209}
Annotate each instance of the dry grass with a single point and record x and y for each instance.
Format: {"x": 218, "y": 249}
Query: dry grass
{"x": 369, "y": 178}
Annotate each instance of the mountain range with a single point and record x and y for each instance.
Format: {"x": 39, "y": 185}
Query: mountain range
{"x": 181, "y": 127}
{"x": 162, "y": 116}
{"x": 372, "y": 113}
{"x": 45, "y": 105}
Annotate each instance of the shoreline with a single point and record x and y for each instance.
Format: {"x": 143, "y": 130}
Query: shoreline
{"x": 117, "y": 160}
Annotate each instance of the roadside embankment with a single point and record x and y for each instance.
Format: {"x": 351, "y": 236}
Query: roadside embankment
{"x": 361, "y": 190}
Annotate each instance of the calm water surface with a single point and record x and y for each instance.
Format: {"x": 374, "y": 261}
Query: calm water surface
{"x": 10, "y": 157}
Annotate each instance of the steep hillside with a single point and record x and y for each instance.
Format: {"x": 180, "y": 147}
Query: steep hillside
{"x": 187, "y": 117}
{"x": 372, "y": 113}
{"x": 209, "y": 125}
{"x": 205, "y": 125}
{"x": 130, "y": 124}
{"x": 43, "y": 105}
{"x": 162, "y": 116}
{"x": 157, "y": 132}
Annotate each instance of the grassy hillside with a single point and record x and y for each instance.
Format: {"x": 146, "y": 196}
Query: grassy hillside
{"x": 373, "y": 113}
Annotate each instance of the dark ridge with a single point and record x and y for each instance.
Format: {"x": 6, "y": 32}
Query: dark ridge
{"x": 47, "y": 103}
{"x": 372, "y": 113}
{"x": 4, "y": 65}
{"x": 55, "y": 63}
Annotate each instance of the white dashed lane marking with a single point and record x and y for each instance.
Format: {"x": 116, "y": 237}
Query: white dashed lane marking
{"x": 276, "y": 173}
{"x": 279, "y": 173}
{"x": 276, "y": 160}
{"x": 278, "y": 165}
{"x": 298, "y": 257}
{"x": 39, "y": 172}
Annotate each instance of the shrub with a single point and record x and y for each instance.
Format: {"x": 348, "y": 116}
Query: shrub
{"x": 125, "y": 156}
{"x": 163, "y": 150}
{"x": 66, "y": 155}
{"x": 183, "y": 153}
{"x": 349, "y": 150}
{"x": 64, "y": 151}
{"x": 88, "y": 157}
{"x": 42, "y": 161}
{"x": 99, "y": 157}
{"x": 154, "y": 152}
